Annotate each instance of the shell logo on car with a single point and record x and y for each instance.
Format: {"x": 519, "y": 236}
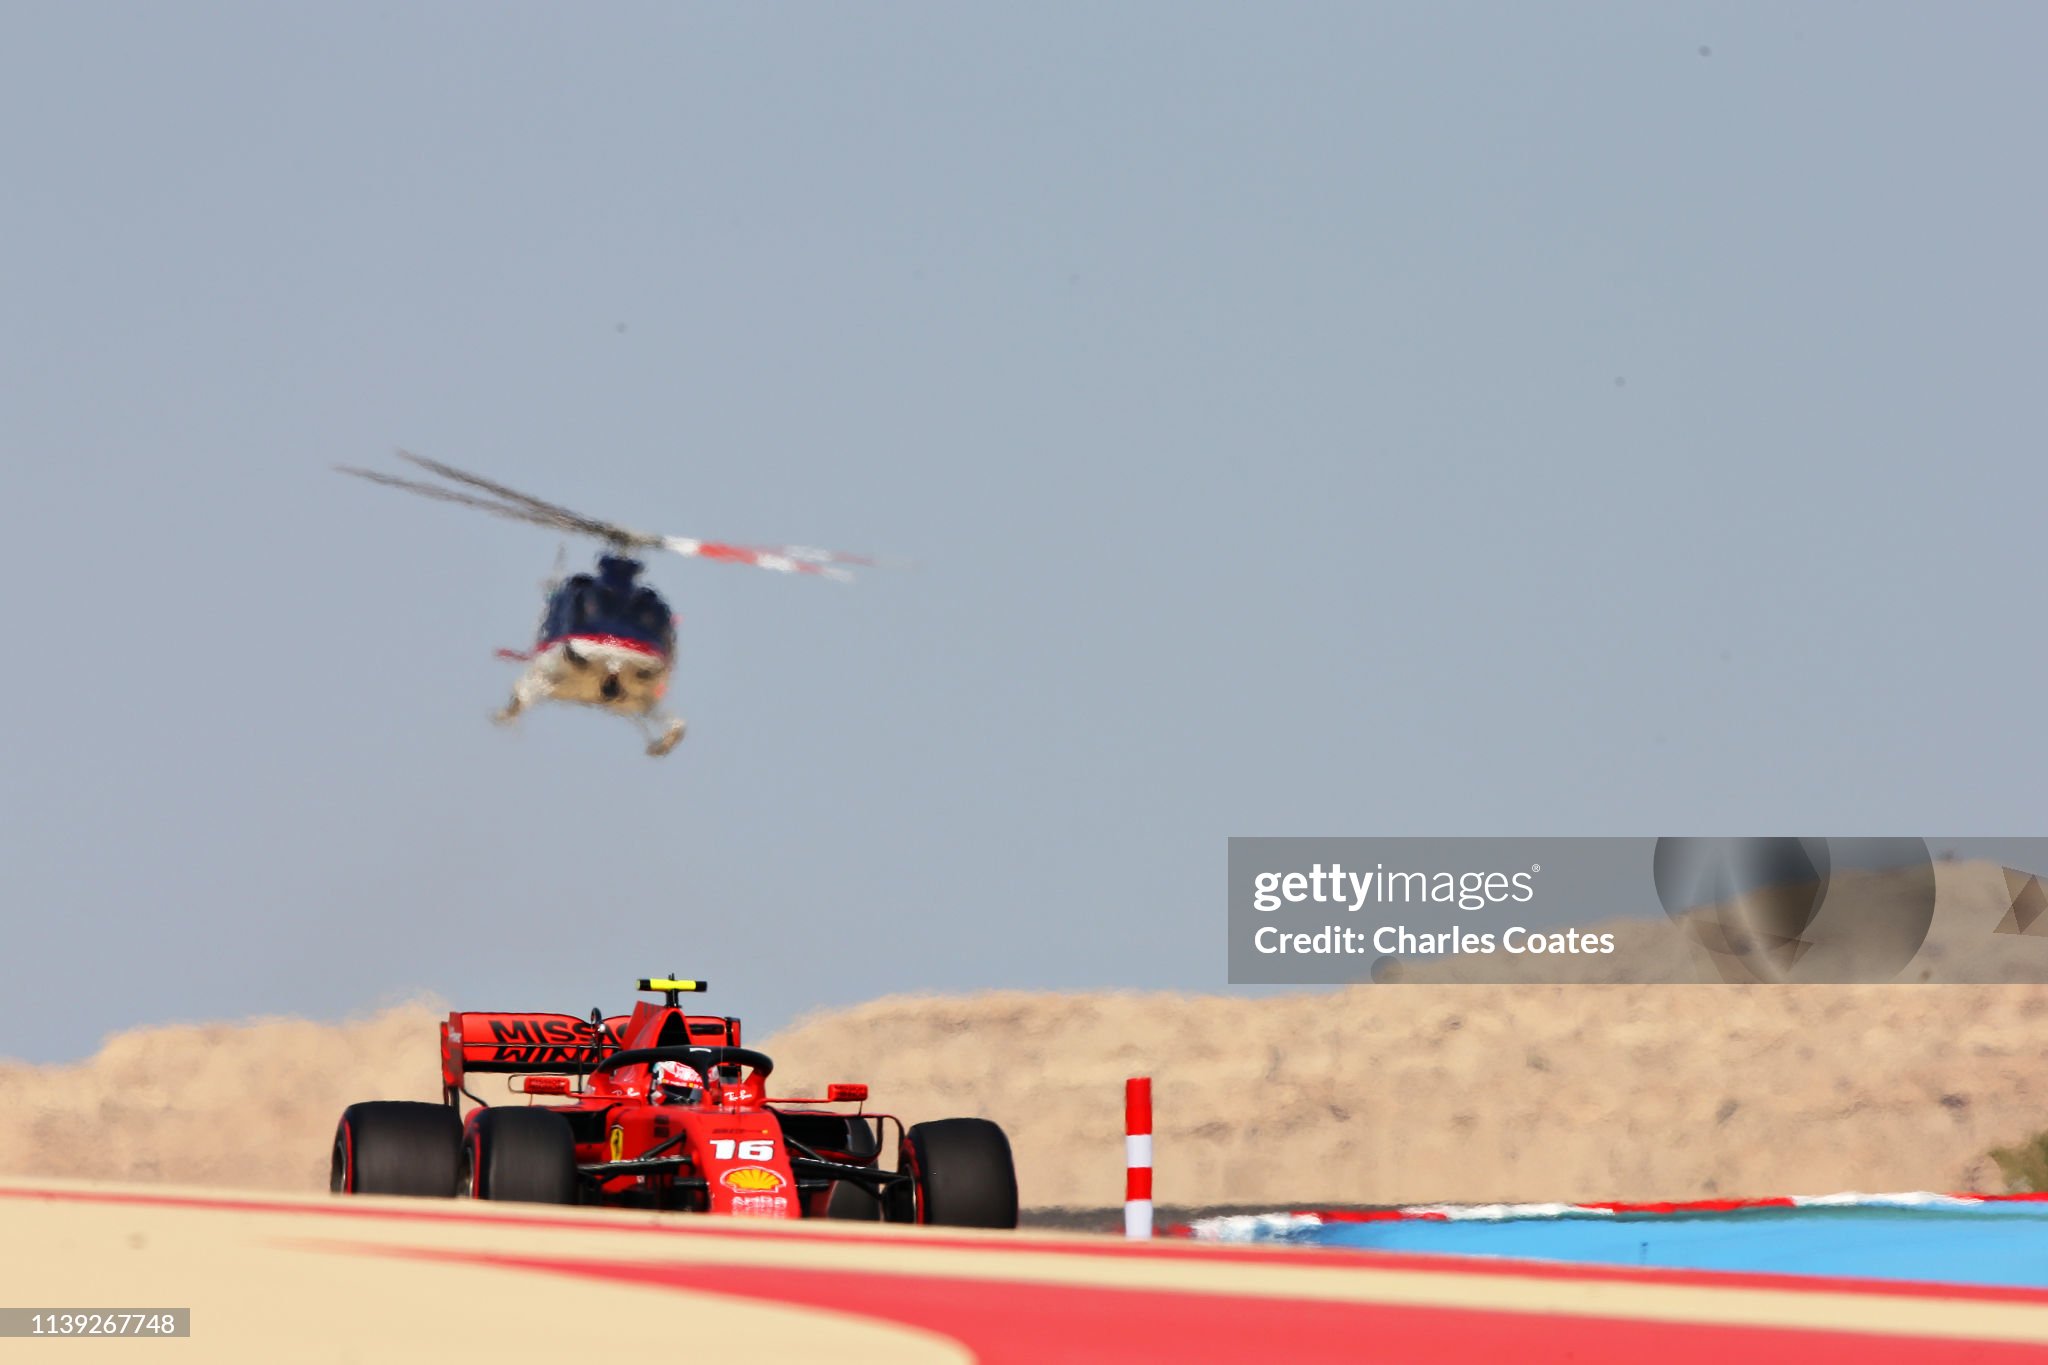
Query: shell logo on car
{"x": 751, "y": 1180}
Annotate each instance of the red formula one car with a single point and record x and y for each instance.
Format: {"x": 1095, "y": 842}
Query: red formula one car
{"x": 664, "y": 1109}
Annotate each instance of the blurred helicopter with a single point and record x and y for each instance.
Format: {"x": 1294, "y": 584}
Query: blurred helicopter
{"x": 606, "y": 639}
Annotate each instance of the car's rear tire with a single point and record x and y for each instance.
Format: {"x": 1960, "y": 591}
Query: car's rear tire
{"x": 963, "y": 1175}
{"x": 397, "y": 1147}
{"x": 522, "y": 1155}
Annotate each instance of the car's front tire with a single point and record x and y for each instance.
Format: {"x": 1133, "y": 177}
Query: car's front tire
{"x": 521, "y": 1155}
{"x": 851, "y": 1200}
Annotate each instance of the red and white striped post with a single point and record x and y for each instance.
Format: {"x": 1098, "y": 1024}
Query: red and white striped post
{"x": 1138, "y": 1157}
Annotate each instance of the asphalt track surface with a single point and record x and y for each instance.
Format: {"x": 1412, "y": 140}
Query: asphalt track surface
{"x": 320, "y": 1279}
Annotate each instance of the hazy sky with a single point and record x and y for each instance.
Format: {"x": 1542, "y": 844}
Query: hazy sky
{"x": 1308, "y": 419}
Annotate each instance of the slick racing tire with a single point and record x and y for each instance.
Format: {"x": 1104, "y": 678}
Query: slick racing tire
{"x": 524, "y": 1156}
{"x": 834, "y": 1135}
{"x": 853, "y": 1201}
{"x": 397, "y": 1147}
{"x": 962, "y": 1175}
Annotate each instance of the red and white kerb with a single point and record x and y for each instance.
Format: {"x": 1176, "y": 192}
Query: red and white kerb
{"x": 1138, "y": 1157}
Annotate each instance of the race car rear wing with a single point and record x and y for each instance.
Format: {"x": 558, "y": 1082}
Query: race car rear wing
{"x": 492, "y": 1042}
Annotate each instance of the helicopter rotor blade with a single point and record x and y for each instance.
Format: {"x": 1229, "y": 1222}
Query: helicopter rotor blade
{"x": 744, "y": 554}
{"x": 517, "y": 506}
{"x": 427, "y": 490}
{"x": 563, "y": 516}
{"x": 811, "y": 554}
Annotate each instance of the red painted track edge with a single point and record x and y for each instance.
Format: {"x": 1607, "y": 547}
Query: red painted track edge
{"x": 1354, "y": 1258}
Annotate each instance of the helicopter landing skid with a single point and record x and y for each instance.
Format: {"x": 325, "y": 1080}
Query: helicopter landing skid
{"x": 662, "y": 744}
{"x": 525, "y": 693}
{"x": 538, "y": 685}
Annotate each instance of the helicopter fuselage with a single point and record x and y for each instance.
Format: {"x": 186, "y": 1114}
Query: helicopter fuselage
{"x": 606, "y": 640}
{"x": 602, "y": 671}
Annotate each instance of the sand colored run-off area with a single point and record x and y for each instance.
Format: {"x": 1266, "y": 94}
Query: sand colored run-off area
{"x": 324, "y": 1279}
{"x": 1377, "y": 1094}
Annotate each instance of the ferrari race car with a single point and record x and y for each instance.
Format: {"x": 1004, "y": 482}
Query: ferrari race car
{"x": 663, "y": 1109}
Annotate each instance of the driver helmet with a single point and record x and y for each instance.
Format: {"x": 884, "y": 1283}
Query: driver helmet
{"x": 674, "y": 1083}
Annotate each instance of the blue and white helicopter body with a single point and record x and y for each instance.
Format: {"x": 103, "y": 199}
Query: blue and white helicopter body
{"x": 606, "y": 638}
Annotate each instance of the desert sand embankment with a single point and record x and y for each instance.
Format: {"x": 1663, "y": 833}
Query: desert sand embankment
{"x": 1379, "y": 1093}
